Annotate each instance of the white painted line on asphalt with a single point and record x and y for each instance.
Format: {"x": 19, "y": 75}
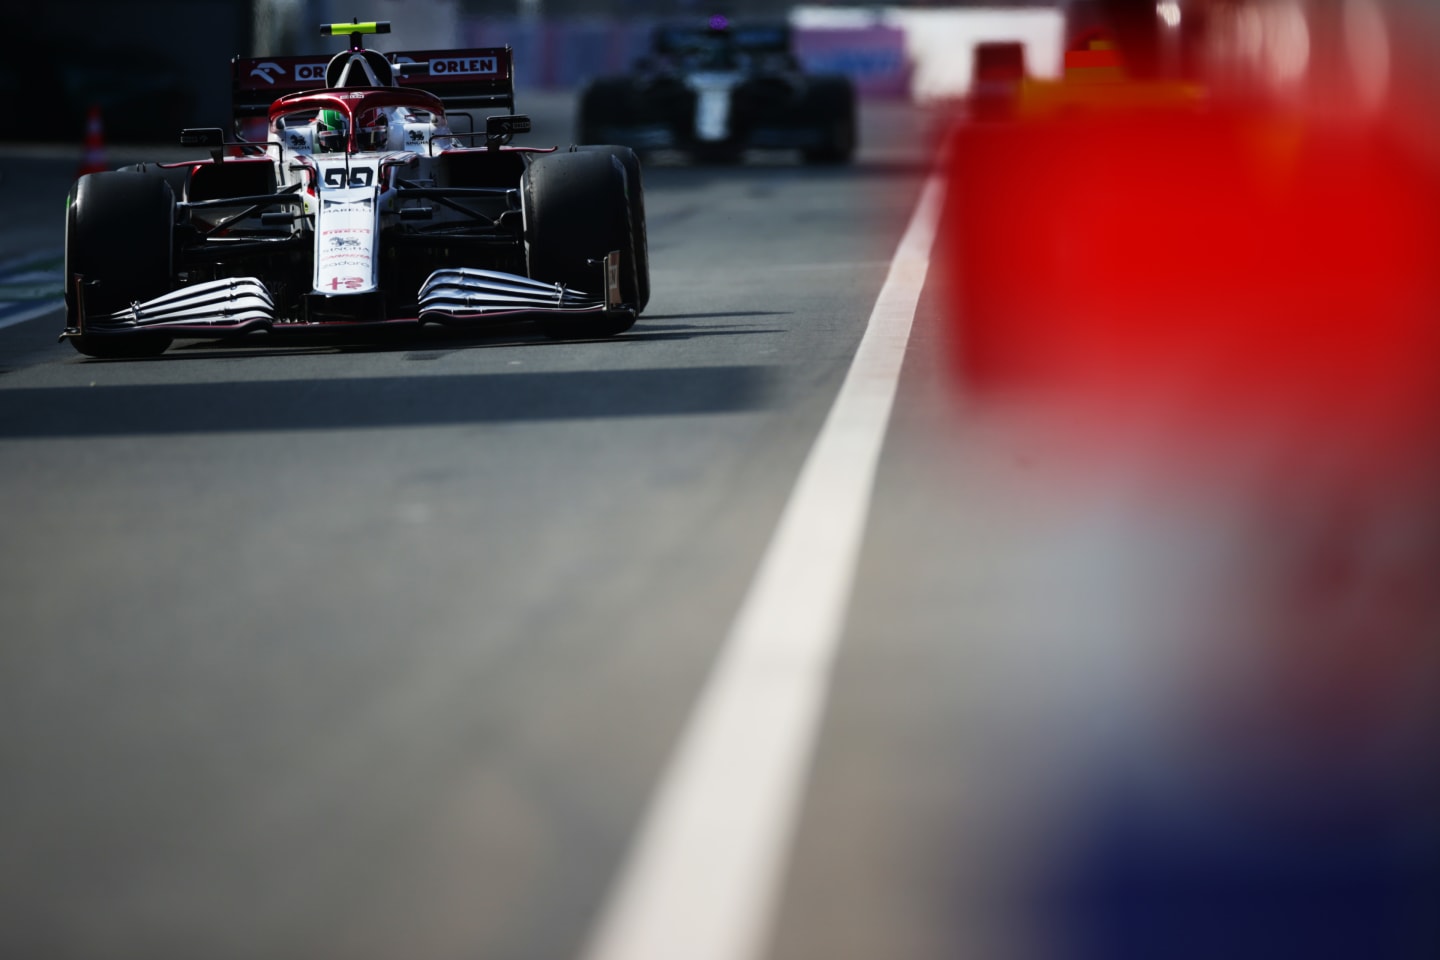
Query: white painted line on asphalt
{"x": 703, "y": 876}
{"x": 24, "y": 261}
{"x": 37, "y": 311}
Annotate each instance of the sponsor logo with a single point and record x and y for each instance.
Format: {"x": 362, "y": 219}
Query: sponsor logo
{"x": 462, "y": 66}
{"x": 267, "y": 71}
{"x": 345, "y": 243}
{"x": 304, "y": 72}
{"x": 346, "y": 283}
{"x": 359, "y": 177}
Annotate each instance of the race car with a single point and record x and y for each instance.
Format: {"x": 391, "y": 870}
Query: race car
{"x": 1097, "y": 82}
{"x": 357, "y": 207}
{"x": 715, "y": 90}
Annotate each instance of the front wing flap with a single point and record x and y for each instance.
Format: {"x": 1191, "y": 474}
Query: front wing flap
{"x": 462, "y": 293}
{"x": 239, "y": 303}
{"x": 449, "y": 295}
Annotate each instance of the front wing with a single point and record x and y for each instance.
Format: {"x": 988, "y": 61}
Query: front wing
{"x": 452, "y": 295}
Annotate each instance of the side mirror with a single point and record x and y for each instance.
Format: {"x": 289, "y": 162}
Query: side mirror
{"x": 209, "y": 137}
{"x": 212, "y": 138}
{"x": 500, "y": 129}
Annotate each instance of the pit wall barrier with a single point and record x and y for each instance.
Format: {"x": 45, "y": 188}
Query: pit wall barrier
{"x": 892, "y": 52}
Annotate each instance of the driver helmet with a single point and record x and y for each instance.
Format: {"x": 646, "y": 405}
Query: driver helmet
{"x": 330, "y": 131}
{"x": 372, "y": 130}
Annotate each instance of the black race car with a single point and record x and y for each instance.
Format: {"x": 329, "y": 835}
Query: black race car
{"x": 716, "y": 90}
{"x": 345, "y": 200}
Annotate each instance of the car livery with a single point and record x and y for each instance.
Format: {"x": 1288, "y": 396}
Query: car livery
{"x": 344, "y": 199}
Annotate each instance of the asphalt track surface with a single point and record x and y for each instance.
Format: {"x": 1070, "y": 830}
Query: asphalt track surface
{"x": 333, "y": 649}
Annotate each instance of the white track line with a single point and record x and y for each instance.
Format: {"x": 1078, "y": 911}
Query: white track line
{"x": 703, "y": 876}
{"x": 37, "y": 311}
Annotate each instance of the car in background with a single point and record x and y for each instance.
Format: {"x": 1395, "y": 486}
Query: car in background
{"x": 715, "y": 90}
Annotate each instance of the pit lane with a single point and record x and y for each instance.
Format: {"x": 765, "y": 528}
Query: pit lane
{"x": 349, "y": 649}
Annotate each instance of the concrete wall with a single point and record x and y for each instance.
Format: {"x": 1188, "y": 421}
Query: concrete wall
{"x": 889, "y": 51}
{"x": 151, "y": 66}
{"x": 940, "y": 44}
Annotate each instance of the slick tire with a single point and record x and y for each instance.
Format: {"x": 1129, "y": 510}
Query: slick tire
{"x": 601, "y": 107}
{"x": 118, "y": 235}
{"x": 576, "y": 211}
{"x": 635, "y": 196}
{"x": 717, "y": 154}
{"x": 832, "y": 99}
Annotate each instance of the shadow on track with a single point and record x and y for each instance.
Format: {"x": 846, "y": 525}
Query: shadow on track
{"x": 433, "y": 339}
{"x": 380, "y": 402}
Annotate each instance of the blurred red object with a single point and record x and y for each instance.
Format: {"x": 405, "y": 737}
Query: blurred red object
{"x": 93, "y": 160}
{"x": 998, "y": 74}
{"x": 1217, "y": 327}
{"x": 1230, "y": 268}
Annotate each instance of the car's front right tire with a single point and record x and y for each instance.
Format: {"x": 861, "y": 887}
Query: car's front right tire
{"x": 118, "y": 233}
{"x": 635, "y": 198}
{"x": 577, "y": 212}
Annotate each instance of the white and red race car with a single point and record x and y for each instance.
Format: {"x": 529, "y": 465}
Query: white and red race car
{"x": 353, "y": 203}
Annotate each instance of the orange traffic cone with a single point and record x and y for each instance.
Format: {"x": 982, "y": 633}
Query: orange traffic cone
{"x": 93, "y": 159}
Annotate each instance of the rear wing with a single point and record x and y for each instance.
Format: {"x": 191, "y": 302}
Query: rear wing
{"x": 462, "y": 79}
{"x": 763, "y": 38}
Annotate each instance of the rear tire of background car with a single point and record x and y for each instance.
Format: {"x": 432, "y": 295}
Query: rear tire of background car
{"x": 601, "y": 108}
{"x": 635, "y": 195}
{"x": 576, "y": 211}
{"x": 832, "y": 99}
{"x": 118, "y": 232}
{"x": 722, "y": 154}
